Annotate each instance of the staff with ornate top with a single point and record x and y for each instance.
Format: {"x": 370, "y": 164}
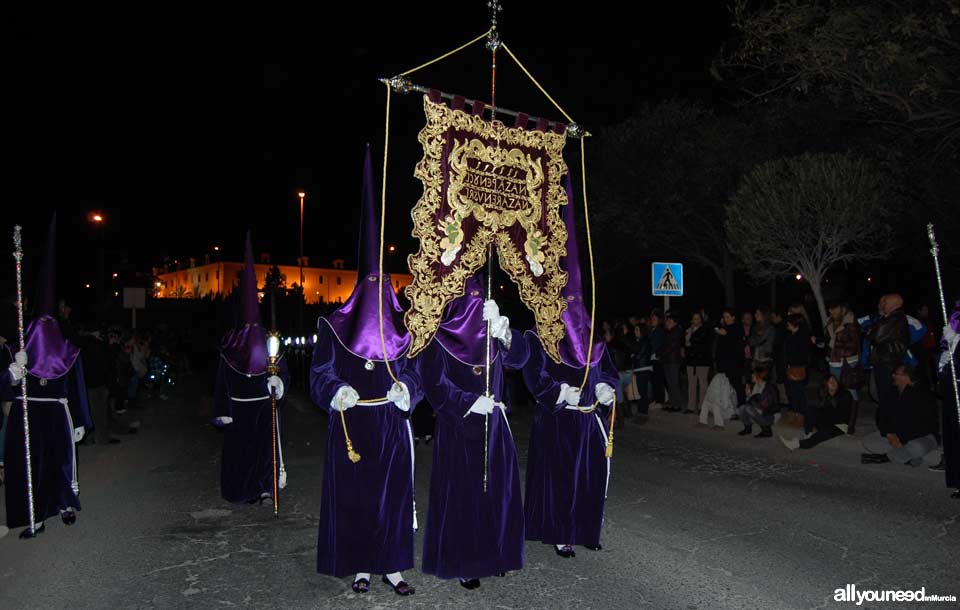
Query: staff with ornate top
{"x": 951, "y": 346}
{"x": 21, "y": 362}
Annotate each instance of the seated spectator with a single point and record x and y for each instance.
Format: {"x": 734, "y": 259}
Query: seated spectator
{"x": 833, "y": 413}
{"x": 797, "y": 356}
{"x": 907, "y": 424}
{"x": 760, "y": 406}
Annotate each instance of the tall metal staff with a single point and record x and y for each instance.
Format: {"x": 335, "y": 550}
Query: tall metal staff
{"x": 18, "y": 256}
{"x": 273, "y": 351}
{"x": 935, "y": 251}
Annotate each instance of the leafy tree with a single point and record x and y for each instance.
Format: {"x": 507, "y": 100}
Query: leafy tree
{"x": 810, "y": 213}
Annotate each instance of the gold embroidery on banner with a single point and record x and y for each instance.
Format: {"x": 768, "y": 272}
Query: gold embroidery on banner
{"x": 500, "y": 186}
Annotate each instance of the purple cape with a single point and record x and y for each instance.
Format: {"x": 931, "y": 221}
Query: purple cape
{"x": 357, "y": 323}
{"x": 463, "y": 332}
{"x": 49, "y": 354}
{"x": 245, "y": 349}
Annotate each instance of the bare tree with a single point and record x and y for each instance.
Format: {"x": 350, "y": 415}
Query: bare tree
{"x": 808, "y": 214}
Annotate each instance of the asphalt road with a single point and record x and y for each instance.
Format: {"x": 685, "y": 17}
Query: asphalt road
{"x": 695, "y": 519}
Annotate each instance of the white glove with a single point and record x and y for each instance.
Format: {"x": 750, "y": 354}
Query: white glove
{"x": 483, "y": 405}
{"x": 604, "y": 393}
{"x": 282, "y": 478}
{"x": 21, "y": 357}
{"x": 569, "y": 395}
{"x": 78, "y": 434}
{"x": 951, "y": 338}
{"x": 16, "y": 373}
{"x": 400, "y": 396}
{"x": 499, "y": 325}
{"x": 275, "y": 383}
{"x": 345, "y": 398}
{"x": 222, "y": 421}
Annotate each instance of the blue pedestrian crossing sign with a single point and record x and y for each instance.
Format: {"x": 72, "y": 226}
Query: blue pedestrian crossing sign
{"x": 668, "y": 279}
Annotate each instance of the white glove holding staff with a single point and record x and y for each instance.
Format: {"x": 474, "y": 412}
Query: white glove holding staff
{"x": 275, "y": 383}
{"x": 18, "y": 368}
{"x": 499, "y": 325}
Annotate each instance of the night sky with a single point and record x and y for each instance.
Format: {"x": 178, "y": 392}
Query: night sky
{"x": 186, "y": 128}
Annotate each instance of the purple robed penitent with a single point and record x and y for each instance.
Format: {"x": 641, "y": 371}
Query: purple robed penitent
{"x": 57, "y": 406}
{"x": 470, "y": 533}
{"x": 242, "y": 402}
{"x": 567, "y": 467}
{"x": 367, "y": 513}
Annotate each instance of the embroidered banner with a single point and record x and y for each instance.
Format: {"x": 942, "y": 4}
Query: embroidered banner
{"x": 485, "y": 183}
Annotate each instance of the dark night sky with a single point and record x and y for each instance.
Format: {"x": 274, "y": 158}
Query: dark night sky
{"x": 185, "y": 128}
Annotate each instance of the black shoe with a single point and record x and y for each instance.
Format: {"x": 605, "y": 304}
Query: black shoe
{"x": 764, "y": 433}
{"x": 565, "y": 551}
{"x": 361, "y": 585}
{"x": 874, "y": 458}
{"x": 939, "y": 467}
{"x": 955, "y": 495}
{"x": 427, "y": 439}
{"x": 69, "y": 517}
{"x": 28, "y": 533}
{"x": 593, "y": 547}
{"x": 402, "y": 588}
{"x": 470, "y": 583}
{"x": 745, "y": 431}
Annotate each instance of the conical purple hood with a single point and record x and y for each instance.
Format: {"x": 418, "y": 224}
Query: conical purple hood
{"x": 248, "y": 287}
{"x": 368, "y": 258}
{"x": 46, "y": 284}
{"x": 244, "y": 348}
{"x": 462, "y": 331}
{"x": 576, "y": 319}
{"x": 49, "y": 354}
{"x": 357, "y": 323}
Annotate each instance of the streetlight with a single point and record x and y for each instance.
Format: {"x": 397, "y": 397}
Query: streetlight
{"x": 98, "y": 220}
{"x": 303, "y": 296}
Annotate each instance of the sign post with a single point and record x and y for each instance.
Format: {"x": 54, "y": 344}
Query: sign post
{"x": 667, "y": 281}
{"x": 134, "y": 299}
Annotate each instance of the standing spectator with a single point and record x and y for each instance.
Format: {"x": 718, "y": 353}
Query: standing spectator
{"x": 797, "y": 355}
{"x": 657, "y": 338}
{"x": 619, "y": 347}
{"x": 762, "y": 336}
{"x": 729, "y": 352}
{"x": 672, "y": 361}
{"x": 746, "y": 326}
{"x": 98, "y": 371}
{"x": 889, "y": 339}
{"x": 697, "y": 344}
{"x": 926, "y": 349}
{"x": 907, "y": 423}
{"x": 779, "y": 359}
{"x": 640, "y": 355}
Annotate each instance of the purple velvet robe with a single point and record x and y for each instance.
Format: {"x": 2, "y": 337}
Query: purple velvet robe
{"x": 567, "y": 467}
{"x": 246, "y": 468}
{"x": 471, "y": 534}
{"x": 52, "y": 450}
{"x": 367, "y": 513}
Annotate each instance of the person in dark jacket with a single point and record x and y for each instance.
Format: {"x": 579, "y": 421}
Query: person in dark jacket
{"x": 907, "y": 424}
{"x": 672, "y": 359}
{"x": 889, "y": 339}
{"x": 729, "y": 352}
{"x": 833, "y": 413}
{"x": 657, "y": 339}
{"x": 697, "y": 358}
{"x": 797, "y": 357}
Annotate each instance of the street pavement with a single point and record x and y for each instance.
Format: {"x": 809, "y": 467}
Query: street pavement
{"x": 695, "y": 519}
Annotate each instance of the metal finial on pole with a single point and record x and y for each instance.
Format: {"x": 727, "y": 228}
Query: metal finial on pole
{"x": 18, "y": 256}
{"x": 935, "y": 251}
